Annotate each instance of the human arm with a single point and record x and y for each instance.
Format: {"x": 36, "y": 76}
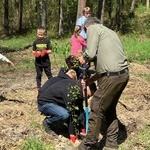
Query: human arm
{"x": 92, "y": 43}
{"x": 79, "y": 21}
{"x": 90, "y": 80}
{"x": 3, "y": 58}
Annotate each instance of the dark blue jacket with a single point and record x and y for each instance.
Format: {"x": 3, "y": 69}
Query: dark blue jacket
{"x": 52, "y": 80}
{"x": 62, "y": 93}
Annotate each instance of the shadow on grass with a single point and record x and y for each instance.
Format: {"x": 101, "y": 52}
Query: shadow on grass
{"x": 8, "y": 49}
{"x": 2, "y": 98}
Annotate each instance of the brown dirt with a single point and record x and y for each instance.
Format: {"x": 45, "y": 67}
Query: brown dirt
{"x": 20, "y": 119}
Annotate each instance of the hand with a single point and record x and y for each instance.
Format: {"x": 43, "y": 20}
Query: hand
{"x": 36, "y": 54}
{"x": 86, "y": 82}
{"x": 83, "y": 83}
{"x": 43, "y": 53}
{"x": 10, "y": 63}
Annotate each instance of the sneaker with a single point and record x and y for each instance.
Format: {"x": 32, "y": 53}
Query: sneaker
{"x": 83, "y": 132}
{"x": 47, "y": 127}
{"x": 73, "y": 138}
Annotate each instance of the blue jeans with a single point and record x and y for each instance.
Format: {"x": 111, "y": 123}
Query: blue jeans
{"x": 56, "y": 113}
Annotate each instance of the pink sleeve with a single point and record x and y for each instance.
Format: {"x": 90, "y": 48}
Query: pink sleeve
{"x": 71, "y": 40}
{"x": 82, "y": 41}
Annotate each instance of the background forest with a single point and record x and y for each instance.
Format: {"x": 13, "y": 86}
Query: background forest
{"x": 59, "y": 16}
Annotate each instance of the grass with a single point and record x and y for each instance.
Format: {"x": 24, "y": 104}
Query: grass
{"x": 136, "y": 48}
{"x": 141, "y": 138}
{"x": 144, "y": 136}
{"x": 145, "y": 76}
{"x": 34, "y": 143}
{"x": 17, "y": 42}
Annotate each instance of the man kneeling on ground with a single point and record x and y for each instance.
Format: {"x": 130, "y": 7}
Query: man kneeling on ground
{"x": 54, "y": 102}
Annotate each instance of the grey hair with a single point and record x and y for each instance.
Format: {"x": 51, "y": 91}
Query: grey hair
{"x": 91, "y": 20}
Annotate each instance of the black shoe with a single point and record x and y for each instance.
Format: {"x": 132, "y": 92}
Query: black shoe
{"x": 47, "y": 127}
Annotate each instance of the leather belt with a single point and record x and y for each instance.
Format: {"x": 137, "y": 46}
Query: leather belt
{"x": 115, "y": 73}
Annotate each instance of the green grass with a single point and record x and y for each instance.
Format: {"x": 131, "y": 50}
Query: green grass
{"x": 140, "y": 9}
{"x": 141, "y": 138}
{"x": 144, "y": 136}
{"x": 136, "y": 48}
{"x": 35, "y": 143}
{"x": 18, "y": 42}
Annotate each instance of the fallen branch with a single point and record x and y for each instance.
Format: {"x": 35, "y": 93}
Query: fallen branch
{"x": 126, "y": 106}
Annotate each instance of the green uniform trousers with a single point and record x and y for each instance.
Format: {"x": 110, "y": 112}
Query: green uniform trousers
{"x": 103, "y": 106}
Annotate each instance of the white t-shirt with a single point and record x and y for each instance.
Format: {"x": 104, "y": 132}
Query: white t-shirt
{"x": 2, "y": 57}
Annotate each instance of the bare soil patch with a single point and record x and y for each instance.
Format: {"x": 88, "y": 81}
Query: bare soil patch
{"x": 20, "y": 118}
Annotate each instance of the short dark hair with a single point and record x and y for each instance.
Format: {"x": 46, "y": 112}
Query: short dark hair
{"x": 72, "y": 62}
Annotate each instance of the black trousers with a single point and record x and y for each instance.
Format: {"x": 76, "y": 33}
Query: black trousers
{"x": 39, "y": 71}
{"x": 103, "y": 106}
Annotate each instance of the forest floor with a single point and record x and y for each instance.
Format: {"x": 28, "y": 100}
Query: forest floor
{"x": 20, "y": 118}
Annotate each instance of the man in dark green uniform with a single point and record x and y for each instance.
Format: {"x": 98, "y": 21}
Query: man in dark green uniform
{"x": 105, "y": 49}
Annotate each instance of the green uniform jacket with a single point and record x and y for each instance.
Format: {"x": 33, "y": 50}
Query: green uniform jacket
{"x": 105, "y": 48}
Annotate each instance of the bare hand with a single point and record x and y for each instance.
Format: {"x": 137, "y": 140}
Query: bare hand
{"x": 83, "y": 83}
{"x": 10, "y": 63}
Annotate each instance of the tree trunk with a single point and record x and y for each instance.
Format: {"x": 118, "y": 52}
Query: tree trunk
{"x": 60, "y": 17}
{"x": 101, "y": 7}
{"x": 147, "y": 4}
{"x": 6, "y": 18}
{"x": 38, "y": 10}
{"x": 132, "y": 9}
{"x": 43, "y": 17}
{"x": 132, "y": 5}
{"x": 20, "y": 18}
{"x": 81, "y": 5}
{"x": 100, "y": 3}
{"x": 118, "y": 15}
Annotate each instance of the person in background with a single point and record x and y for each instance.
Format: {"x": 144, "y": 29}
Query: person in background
{"x": 81, "y": 20}
{"x": 72, "y": 62}
{"x": 105, "y": 49}
{"x": 4, "y": 58}
{"x": 41, "y": 50}
{"x": 77, "y": 41}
